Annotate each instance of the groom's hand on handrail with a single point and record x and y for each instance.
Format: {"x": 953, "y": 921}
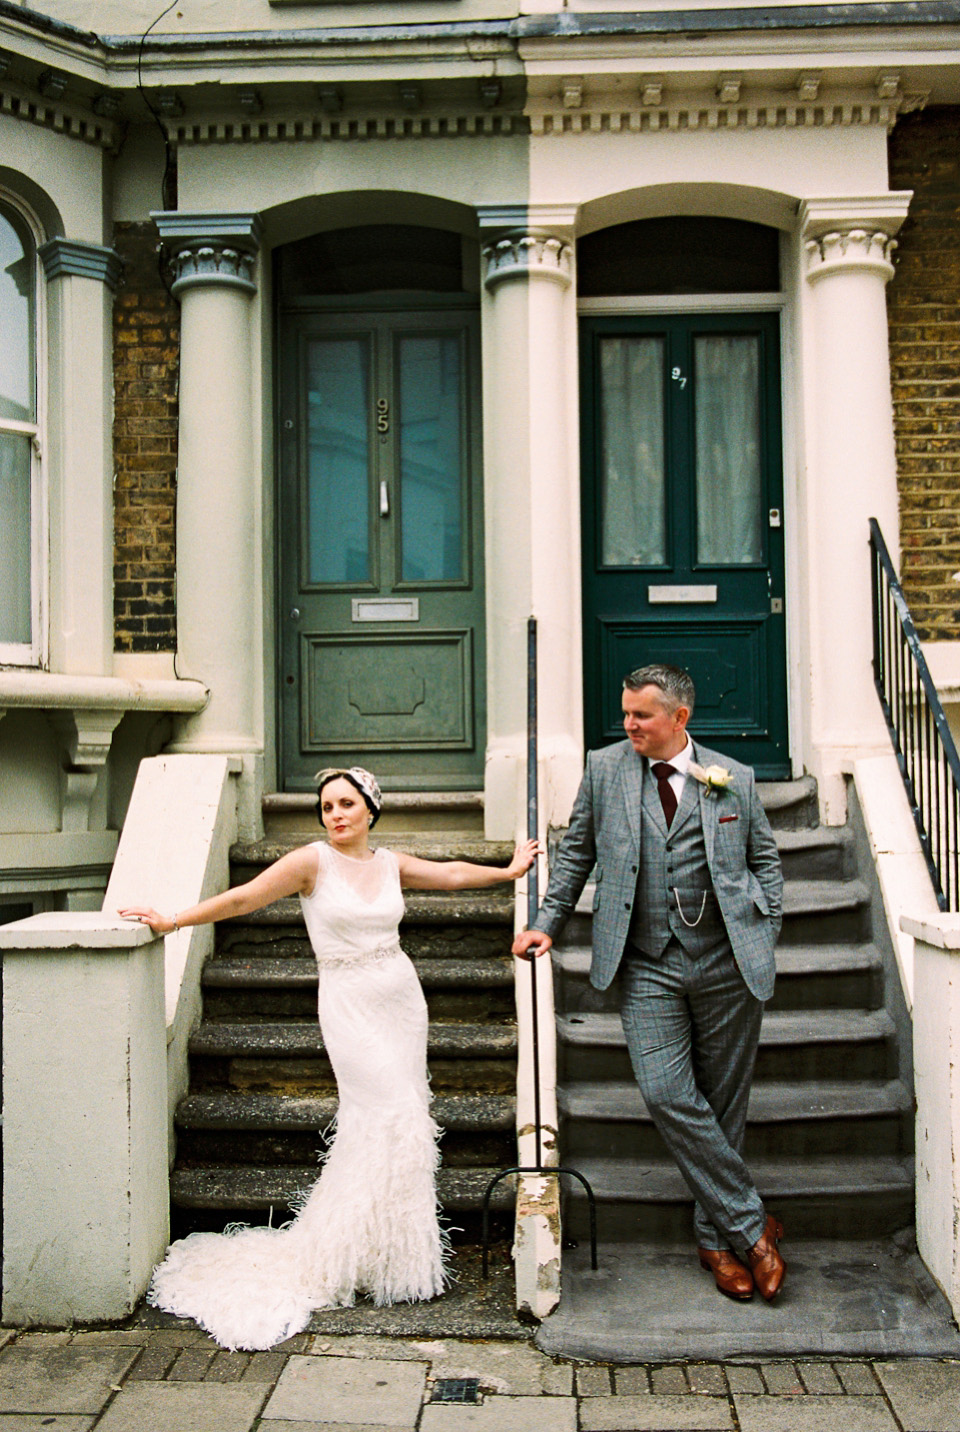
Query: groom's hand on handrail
{"x": 530, "y": 944}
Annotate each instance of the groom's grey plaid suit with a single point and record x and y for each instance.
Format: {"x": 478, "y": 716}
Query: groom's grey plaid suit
{"x": 692, "y": 993}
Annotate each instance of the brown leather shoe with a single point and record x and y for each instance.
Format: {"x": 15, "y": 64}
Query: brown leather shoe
{"x": 765, "y": 1261}
{"x": 729, "y": 1273}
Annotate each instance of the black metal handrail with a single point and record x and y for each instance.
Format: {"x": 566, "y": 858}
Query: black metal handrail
{"x": 925, "y": 749}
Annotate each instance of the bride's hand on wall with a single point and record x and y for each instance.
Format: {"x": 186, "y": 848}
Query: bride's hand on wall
{"x": 523, "y": 857}
{"x": 146, "y": 915}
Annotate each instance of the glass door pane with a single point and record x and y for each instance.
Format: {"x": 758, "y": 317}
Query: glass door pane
{"x": 338, "y": 461}
{"x": 728, "y": 459}
{"x": 17, "y": 367}
{"x": 632, "y": 484}
{"x": 431, "y": 458}
{"x": 14, "y": 538}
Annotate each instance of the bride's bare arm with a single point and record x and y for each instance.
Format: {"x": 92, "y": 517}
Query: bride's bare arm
{"x": 293, "y": 874}
{"x": 417, "y": 874}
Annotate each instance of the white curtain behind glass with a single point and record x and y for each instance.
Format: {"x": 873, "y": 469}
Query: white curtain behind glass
{"x": 17, "y": 419}
{"x": 727, "y": 397}
{"x": 632, "y": 478}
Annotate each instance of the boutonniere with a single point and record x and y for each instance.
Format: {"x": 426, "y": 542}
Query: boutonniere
{"x": 715, "y": 778}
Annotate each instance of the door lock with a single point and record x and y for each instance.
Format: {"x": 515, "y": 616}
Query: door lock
{"x": 294, "y": 614}
{"x": 776, "y": 606}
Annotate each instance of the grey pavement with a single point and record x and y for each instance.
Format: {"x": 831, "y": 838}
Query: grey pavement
{"x": 175, "y": 1379}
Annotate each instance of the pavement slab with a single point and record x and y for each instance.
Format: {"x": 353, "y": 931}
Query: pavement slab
{"x": 814, "y": 1414}
{"x": 924, "y": 1395}
{"x": 503, "y": 1414}
{"x": 652, "y": 1412}
{"x": 183, "y": 1407}
{"x": 648, "y": 1303}
{"x": 44, "y": 1422}
{"x": 342, "y": 1389}
{"x": 36, "y": 1377}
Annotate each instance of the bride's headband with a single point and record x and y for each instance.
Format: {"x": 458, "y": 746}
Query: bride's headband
{"x": 365, "y": 782}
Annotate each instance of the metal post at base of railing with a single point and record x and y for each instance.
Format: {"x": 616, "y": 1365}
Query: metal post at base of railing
{"x": 533, "y": 904}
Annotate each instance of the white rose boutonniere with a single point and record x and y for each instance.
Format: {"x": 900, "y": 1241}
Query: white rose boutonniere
{"x": 715, "y": 778}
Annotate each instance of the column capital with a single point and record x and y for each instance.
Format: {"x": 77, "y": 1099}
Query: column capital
{"x": 852, "y": 235}
{"x": 73, "y": 258}
{"x": 211, "y": 249}
{"x": 528, "y": 253}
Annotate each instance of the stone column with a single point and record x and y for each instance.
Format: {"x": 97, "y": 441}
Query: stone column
{"x": 531, "y": 500}
{"x": 850, "y": 474}
{"x": 219, "y": 568}
{"x": 81, "y": 280}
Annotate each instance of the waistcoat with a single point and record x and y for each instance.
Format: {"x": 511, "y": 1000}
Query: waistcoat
{"x": 674, "y": 870}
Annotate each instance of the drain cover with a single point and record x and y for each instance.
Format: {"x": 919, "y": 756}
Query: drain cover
{"x": 456, "y": 1389}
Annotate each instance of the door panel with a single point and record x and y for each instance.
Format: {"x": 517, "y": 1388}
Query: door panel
{"x": 682, "y": 527}
{"x": 381, "y": 571}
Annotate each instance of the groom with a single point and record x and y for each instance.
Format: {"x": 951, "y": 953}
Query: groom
{"x": 688, "y": 909}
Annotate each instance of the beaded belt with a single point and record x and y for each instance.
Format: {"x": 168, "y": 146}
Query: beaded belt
{"x": 366, "y": 957}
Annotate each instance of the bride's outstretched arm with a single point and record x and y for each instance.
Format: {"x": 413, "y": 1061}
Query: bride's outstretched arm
{"x": 293, "y": 874}
{"x": 417, "y": 874}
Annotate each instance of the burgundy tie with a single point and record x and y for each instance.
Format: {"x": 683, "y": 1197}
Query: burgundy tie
{"x": 663, "y": 771}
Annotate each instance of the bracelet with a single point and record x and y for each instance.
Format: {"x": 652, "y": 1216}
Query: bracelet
{"x": 175, "y": 925}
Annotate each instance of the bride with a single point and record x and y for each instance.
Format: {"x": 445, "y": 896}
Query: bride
{"x": 369, "y": 1224}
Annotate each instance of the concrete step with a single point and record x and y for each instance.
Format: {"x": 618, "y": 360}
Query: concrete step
{"x": 790, "y": 805}
{"x": 785, "y": 1120}
{"x": 427, "y": 907}
{"x": 247, "y": 859}
{"x": 246, "y": 1190}
{"x": 252, "y": 972}
{"x": 823, "y": 853}
{"x": 808, "y": 977}
{"x": 295, "y": 814}
{"x": 300, "y": 1040}
{"x": 858, "y": 1196}
{"x": 794, "y": 1045}
{"x": 293, "y": 1113}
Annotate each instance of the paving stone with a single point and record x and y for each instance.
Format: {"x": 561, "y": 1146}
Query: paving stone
{"x": 557, "y": 1380}
{"x": 112, "y": 1337}
{"x": 743, "y": 1379}
{"x": 192, "y": 1364}
{"x": 269, "y": 1425}
{"x": 154, "y": 1364}
{"x": 819, "y": 1377}
{"x": 44, "y": 1339}
{"x": 654, "y": 1413}
{"x": 511, "y": 1368}
{"x": 175, "y": 1337}
{"x": 300, "y": 1342}
{"x": 925, "y": 1395}
{"x": 669, "y": 1381}
{"x": 7, "y": 1335}
{"x": 858, "y": 1378}
{"x": 503, "y": 1414}
{"x": 631, "y": 1380}
{"x": 707, "y": 1377}
{"x": 44, "y": 1422}
{"x": 58, "y": 1378}
{"x": 814, "y": 1414}
{"x": 392, "y": 1349}
{"x": 265, "y": 1367}
{"x": 178, "y": 1406}
{"x": 781, "y": 1379}
{"x": 342, "y": 1389}
{"x": 228, "y": 1367}
{"x": 593, "y": 1382}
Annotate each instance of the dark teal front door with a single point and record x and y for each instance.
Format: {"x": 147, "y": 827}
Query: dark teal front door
{"x": 381, "y": 546}
{"x": 683, "y": 539}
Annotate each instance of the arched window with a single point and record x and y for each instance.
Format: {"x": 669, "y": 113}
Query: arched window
{"x": 19, "y": 637}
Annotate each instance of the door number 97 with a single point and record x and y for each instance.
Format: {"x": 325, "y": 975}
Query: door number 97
{"x": 678, "y": 377}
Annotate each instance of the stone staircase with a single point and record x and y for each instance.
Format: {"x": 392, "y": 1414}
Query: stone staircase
{"x": 830, "y": 1121}
{"x": 261, "y": 1086}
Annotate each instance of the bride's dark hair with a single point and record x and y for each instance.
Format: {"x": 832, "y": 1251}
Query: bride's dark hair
{"x": 332, "y": 774}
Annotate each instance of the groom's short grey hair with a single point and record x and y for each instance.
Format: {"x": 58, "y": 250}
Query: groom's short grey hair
{"x": 676, "y": 686}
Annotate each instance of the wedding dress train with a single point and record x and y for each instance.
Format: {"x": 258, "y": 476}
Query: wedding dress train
{"x": 369, "y": 1224}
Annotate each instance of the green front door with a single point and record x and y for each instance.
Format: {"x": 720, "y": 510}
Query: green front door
{"x": 381, "y": 580}
{"x": 682, "y": 523}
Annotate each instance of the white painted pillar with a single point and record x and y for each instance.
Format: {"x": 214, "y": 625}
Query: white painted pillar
{"x": 851, "y": 474}
{"x": 81, "y": 279}
{"x": 219, "y": 568}
{"x": 85, "y": 1190}
{"x": 531, "y": 498}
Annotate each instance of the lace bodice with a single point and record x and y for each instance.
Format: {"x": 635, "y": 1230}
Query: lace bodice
{"x": 355, "y": 907}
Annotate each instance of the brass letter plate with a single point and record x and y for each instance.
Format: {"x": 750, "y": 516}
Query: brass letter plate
{"x": 661, "y": 595}
{"x": 385, "y": 609}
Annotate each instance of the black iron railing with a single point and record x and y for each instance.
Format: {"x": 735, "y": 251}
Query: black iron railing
{"x": 925, "y": 749}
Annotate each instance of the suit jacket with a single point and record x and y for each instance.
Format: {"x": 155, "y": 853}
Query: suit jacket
{"x": 605, "y": 830}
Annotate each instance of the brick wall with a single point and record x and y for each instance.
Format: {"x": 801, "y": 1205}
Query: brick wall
{"x": 146, "y": 351}
{"x": 924, "y": 308}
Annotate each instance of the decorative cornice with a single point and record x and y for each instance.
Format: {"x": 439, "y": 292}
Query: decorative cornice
{"x": 293, "y": 126}
{"x": 211, "y": 249}
{"x": 69, "y": 258}
{"x": 616, "y": 113}
{"x": 852, "y": 234}
{"x": 531, "y": 254}
{"x": 50, "y": 113}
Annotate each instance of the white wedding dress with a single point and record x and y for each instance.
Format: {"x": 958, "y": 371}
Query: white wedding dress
{"x": 369, "y": 1224}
